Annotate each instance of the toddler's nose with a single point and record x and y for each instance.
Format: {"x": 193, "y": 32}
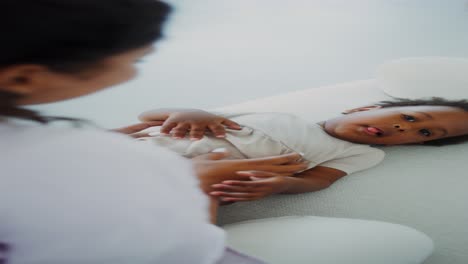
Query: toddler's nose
{"x": 399, "y": 127}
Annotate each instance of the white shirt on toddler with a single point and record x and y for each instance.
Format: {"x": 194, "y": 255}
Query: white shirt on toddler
{"x": 270, "y": 134}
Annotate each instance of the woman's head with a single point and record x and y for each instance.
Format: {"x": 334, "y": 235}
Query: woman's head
{"x": 53, "y": 50}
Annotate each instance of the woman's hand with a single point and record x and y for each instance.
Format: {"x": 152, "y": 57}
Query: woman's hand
{"x": 180, "y": 122}
{"x": 211, "y": 169}
{"x": 260, "y": 185}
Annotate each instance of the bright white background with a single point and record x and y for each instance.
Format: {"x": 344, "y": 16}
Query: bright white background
{"x": 219, "y": 52}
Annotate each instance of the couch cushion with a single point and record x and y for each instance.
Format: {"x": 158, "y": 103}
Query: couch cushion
{"x": 316, "y": 103}
{"x": 419, "y": 186}
{"x": 305, "y": 240}
{"x": 425, "y": 77}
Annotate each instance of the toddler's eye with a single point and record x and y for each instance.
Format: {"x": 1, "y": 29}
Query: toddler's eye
{"x": 409, "y": 118}
{"x": 425, "y": 132}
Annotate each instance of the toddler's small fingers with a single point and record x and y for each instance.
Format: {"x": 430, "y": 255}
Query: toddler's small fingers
{"x": 229, "y": 199}
{"x": 196, "y": 132}
{"x": 218, "y": 131}
{"x": 231, "y": 124}
{"x": 180, "y": 130}
{"x": 167, "y": 127}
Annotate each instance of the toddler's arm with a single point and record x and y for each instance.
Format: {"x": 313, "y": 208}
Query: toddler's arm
{"x": 314, "y": 179}
{"x": 311, "y": 180}
{"x": 133, "y": 130}
{"x": 194, "y": 122}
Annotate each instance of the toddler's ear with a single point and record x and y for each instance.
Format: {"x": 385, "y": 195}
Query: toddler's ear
{"x": 360, "y": 109}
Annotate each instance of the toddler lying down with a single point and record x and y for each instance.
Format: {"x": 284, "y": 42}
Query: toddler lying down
{"x": 332, "y": 148}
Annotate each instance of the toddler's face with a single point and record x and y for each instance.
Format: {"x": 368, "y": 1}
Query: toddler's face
{"x": 399, "y": 125}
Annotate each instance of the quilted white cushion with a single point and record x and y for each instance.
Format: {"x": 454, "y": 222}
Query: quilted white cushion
{"x": 308, "y": 239}
{"x": 425, "y": 77}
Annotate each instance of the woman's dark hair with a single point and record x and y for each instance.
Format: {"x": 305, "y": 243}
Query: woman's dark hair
{"x": 72, "y": 35}
{"x": 434, "y": 101}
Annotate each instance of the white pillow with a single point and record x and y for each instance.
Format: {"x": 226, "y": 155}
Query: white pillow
{"x": 309, "y": 239}
{"x": 425, "y": 77}
{"x": 316, "y": 103}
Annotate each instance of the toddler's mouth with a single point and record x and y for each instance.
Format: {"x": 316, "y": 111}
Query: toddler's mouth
{"x": 373, "y": 131}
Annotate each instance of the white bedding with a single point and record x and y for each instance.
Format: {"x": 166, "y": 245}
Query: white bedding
{"x": 419, "y": 186}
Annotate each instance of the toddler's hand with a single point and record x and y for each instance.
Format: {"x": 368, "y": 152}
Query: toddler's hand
{"x": 179, "y": 123}
{"x": 262, "y": 184}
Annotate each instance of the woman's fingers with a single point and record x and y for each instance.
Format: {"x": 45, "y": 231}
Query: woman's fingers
{"x": 292, "y": 168}
{"x": 233, "y": 194}
{"x": 240, "y": 183}
{"x": 235, "y": 199}
{"x": 259, "y": 174}
{"x": 278, "y": 170}
{"x": 247, "y": 185}
{"x": 286, "y": 164}
{"x": 230, "y": 188}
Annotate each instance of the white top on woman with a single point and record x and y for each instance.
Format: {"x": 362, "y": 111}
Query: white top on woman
{"x": 88, "y": 196}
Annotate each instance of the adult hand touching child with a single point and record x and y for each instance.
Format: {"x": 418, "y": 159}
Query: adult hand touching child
{"x": 180, "y": 122}
{"x": 236, "y": 180}
{"x": 261, "y": 185}
{"x": 233, "y": 180}
{"x": 211, "y": 169}
{"x": 257, "y": 185}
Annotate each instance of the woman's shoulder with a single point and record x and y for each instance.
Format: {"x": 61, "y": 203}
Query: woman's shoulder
{"x": 90, "y": 181}
{"x": 87, "y": 154}
{"x": 28, "y": 141}
{"x": 19, "y": 136}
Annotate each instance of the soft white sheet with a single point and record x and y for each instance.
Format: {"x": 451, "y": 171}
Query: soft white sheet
{"x": 418, "y": 186}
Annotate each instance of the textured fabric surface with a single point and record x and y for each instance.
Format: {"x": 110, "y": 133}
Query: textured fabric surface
{"x": 418, "y": 186}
